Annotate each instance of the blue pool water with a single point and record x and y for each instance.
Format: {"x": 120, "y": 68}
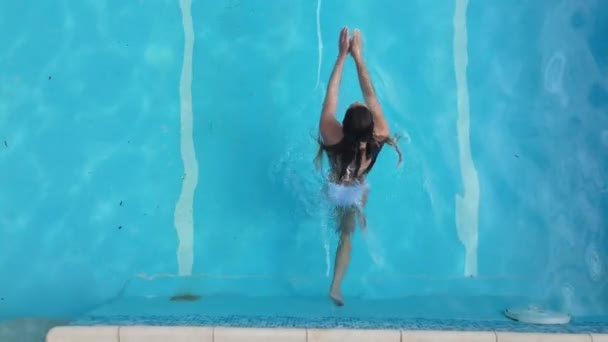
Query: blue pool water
{"x": 150, "y": 150}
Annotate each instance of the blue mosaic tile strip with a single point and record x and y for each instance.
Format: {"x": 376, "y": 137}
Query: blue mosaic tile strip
{"x": 343, "y": 322}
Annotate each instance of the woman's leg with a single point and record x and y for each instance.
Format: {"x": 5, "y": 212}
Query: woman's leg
{"x": 346, "y": 228}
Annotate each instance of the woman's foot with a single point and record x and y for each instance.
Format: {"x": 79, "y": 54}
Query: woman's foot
{"x": 336, "y": 297}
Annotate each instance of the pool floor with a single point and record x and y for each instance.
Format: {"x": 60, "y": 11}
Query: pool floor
{"x": 413, "y": 313}
{"x": 213, "y": 318}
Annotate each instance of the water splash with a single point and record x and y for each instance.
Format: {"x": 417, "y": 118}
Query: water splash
{"x": 374, "y": 248}
{"x": 325, "y": 234}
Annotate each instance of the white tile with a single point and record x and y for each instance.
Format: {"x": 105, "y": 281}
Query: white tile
{"x": 447, "y": 336}
{"x": 165, "y": 334}
{"x": 599, "y": 337}
{"x": 83, "y": 334}
{"x": 351, "y": 335}
{"x": 530, "y": 337}
{"x": 258, "y": 335}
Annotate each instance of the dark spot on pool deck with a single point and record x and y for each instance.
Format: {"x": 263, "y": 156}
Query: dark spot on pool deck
{"x": 119, "y": 227}
{"x": 186, "y": 297}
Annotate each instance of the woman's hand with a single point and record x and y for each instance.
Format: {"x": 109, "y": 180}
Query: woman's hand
{"x": 356, "y": 44}
{"x": 344, "y": 42}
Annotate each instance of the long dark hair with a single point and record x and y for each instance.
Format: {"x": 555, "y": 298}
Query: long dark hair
{"x": 357, "y": 128}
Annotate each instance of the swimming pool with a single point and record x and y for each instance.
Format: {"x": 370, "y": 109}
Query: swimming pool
{"x": 151, "y": 150}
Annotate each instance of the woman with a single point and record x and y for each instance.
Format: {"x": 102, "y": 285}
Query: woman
{"x": 352, "y": 148}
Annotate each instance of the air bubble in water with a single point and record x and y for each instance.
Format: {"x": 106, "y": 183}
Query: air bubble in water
{"x": 554, "y": 73}
{"x": 594, "y": 264}
{"x": 605, "y": 137}
{"x": 568, "y": 295}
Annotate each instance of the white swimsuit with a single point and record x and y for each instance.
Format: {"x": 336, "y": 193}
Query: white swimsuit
{"x": 346, "y": 195}
{"x": 352, "y": 187}
{"x": 350, "y": 192}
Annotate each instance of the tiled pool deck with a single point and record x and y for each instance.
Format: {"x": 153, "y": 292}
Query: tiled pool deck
{"x": 272, "y": 328}
{"x": 228, "y": 334}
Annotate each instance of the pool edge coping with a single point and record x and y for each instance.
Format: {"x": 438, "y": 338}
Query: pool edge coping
{"x": 122, "y": 333}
